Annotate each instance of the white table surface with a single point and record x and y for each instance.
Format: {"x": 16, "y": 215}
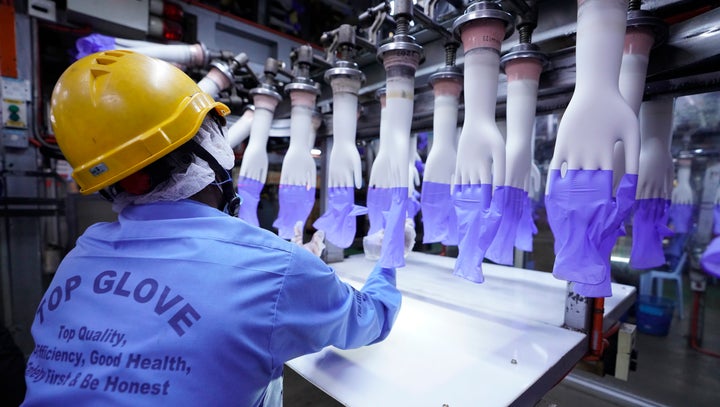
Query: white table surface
{"x": 456, "y": 342}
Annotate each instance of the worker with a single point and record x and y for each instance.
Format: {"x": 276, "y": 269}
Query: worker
{"x": 178, "y": 302}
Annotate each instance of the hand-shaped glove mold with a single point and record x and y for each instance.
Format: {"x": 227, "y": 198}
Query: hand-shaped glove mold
{"x": 651, "y": 210}
{"x": 254, "y": 165}
{"x": 344, "y": 168}
{"x": 480, "y": 164}
{"x": 298, "y": 174}
{"x": 582, "y": 212}
{"x": 649, "y": 230}
{"x": 682, "y": 207}
{"x": 523, "y": 74}
{"x": 438, "y": 215}
{"x": 240, "y": 130}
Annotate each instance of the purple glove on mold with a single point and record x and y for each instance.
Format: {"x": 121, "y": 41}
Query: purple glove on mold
{"x": 526, "y": 226}
{"x": 338, "y": 222}
{"x": 438, "y": 214}
{"x": 582, "y": 214}
{"x": 501, "y": 248}
{"x": 710, "y": 259}
{"x": 649, "y": 230}
{"x": 296, "y": 202}
{"x": 93, "y": 43}
{"x": 681, "y": 217}
{"x": 378, "y": 201}
{"x": 624, "y": 203}
{"x": 478, "y": 216}
{"x": 393, "y": 243}
{"x": 604, "y": 288}
{"x": 413, "y": 204}
{"x": 249, "y": 190}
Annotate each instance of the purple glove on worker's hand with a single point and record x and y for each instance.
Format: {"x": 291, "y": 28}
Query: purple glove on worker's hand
{"x": 249, "y": 191}
{"x": 716, "y": 216}
{"x": 501, "y": 248}
{"x": 526, "y": 227}
{"x": 296, "y": 202}
{"x": 338, "y": 222}
{"x": 649, "y": 230}
{"x": 393, "y": 243}
{"x": 438, "y": 214}
{"x": 582, "y": 214}
{"x": 681, "y": 217}
{"x": 478, "y": 215}
{"x": 378, "y": 201}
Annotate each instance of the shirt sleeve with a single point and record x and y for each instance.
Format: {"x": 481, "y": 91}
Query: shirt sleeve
{"x": 316, "y": 309}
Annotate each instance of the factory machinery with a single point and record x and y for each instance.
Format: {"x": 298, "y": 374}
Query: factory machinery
{"x": 489, "y": 80}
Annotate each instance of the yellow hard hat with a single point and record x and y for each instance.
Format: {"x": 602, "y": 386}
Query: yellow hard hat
{"x": 115, "y": 112}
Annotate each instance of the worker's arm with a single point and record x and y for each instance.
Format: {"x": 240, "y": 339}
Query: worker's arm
{"x": 316, "y": 309}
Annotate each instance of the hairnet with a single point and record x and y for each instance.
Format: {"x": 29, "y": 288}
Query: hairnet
{"x": 197, "y": 176}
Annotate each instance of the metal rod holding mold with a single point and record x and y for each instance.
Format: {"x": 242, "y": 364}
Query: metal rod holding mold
{"x": 430, "y": 24}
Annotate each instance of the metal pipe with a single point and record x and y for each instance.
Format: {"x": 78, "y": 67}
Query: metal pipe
{"x": 596, "y": 335}
{"x": 370, "y": 13}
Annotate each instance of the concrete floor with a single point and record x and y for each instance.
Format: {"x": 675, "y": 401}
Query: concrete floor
{"x": 669, "y": 372}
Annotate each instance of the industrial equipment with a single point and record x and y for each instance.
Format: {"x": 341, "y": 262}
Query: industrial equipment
{"x": 521, "y": 330}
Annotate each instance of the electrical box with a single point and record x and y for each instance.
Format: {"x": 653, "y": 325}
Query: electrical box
{"x": 128, "y": 19}
{"x": 15, "y": 138}
{"x": 15, "y": 97}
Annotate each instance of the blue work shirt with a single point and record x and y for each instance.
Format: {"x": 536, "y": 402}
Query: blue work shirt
{"x": 180, "y": 304}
